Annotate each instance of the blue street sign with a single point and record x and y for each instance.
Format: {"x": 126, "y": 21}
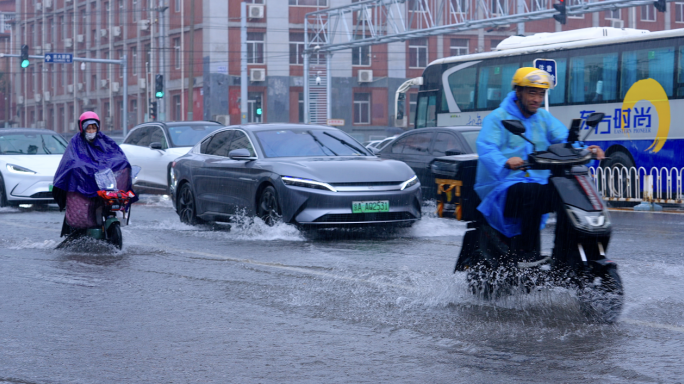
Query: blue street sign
{"x": 548, "y": 66}
{"x": 59, "y": 58}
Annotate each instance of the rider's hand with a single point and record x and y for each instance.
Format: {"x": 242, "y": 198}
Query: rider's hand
{"x": 597, "y": 151}
{"x": 514, "y": 163}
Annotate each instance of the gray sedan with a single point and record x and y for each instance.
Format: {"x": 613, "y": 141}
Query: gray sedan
{"x": 308, "y": 175}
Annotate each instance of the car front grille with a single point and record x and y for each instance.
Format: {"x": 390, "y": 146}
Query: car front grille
{"x": 42, "y": 195}
{"x": 365, "y": 217}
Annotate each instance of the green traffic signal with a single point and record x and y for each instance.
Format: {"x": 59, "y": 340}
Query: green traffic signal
{"x": 159, "y": 86}
{"x": 159, "y": 95}
{"x": 24, "y": 63}
{"x": 24, "y": 56}
{"x": 258, "y": 111}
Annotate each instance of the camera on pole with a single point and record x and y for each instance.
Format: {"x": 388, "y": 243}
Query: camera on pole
{"x": 24, "y": 57}
{"x": 159, "y": 86}
{"x": 660, "y": 5}
{"x": 563, "y": 15}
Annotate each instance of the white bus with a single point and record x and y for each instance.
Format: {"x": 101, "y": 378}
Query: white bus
{"x": 635, "y": 77}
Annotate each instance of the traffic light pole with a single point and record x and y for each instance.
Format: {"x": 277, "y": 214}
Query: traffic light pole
{"x": 121, "y": 62}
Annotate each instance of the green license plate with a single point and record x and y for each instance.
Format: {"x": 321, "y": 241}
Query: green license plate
{"x": 370, "y": 206}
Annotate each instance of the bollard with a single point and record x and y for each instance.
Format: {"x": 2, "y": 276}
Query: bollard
{"x": 647, "y": 204}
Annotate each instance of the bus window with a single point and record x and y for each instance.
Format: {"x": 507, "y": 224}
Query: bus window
{"x": 427, "y": 109}
{"x": 495, "y": 83}
{"x": 656, "y": 64}
{"x": 462, "y": 85}
{"x": 557, "y": 94}
{"x": 593, "y": 78}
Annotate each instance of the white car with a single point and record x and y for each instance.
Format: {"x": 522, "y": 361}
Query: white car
{"x": 154, "y": 146}
{"x": 29, "y": 158}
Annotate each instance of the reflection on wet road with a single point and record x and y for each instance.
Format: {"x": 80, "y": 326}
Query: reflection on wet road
{"x": 251, "y": 303}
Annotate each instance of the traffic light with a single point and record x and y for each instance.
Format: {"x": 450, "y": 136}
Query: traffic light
{"x": 660, "y": 5}
{"x": 24, "y": 57}
{"x": 563, "y": 15}
{"x": 153, "y": 111}
{"x": 257, "y": 106}
{"x": 159, "y": 86}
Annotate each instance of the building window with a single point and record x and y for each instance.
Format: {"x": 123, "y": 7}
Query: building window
{"x": 648, "y": 13}
{"x": 177, "y": 6}
{"x": 540, "y": 5}
{"x": 64, "y": 27}
{"x": 361, "y": 56}
{"x": 134, "y": 60}
{"x": 134, "y": 10}
{"x": 309, "y": 3}
{"x": 570, "y": 3}
{"x": 418, "y": 52}
{"x": 147, "y": 60}
{"x": 119, "y": 53}
{"x": 107, "y": 12}
{"x": 133, "y": 114}
{"x": 460, "y": 6}
{"x": 83, "y": 21}
{"x": 297, "y": 48}
{"x": 177, "y": 52}
{"x": 177, "y": 108}
{"x": 417, "y": 5}
{"x": 362, "y": 105}
{"x": 458, "y": 47}
{"x": 679, "y": 12}
{"x": 613, "y": 14}
{"x": 255, "y": 48}
{"x": 300, "y": 108}
{"x": 93, "y": 82}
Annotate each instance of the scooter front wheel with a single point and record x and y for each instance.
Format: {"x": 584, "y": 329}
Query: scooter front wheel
{"x": 114, "y": 235}
{"x": 602, "y": 295}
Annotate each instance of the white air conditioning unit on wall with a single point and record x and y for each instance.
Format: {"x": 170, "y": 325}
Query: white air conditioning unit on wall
{"x": 37, "y": 97}
{"x": 222, "y": 119}
{"x": 40, "y": 124}
{"x": 68, "y": 43}
{"x": 115, "y": 86}
{"x": 141, "y": 83}
{"x": 68, "y": 1}
{"x": 255, "y": 11}
{"x": 116, "y": 31}
{"x": 103, "y": 32}
{"x": 104, "y": 83}
{"x": 79, "y": 86}
{"x": 364, "y": 14}
{"x": 39, "y": 7}
{"x": 48, "y": 4}
{"x": 80, "y": 38}
{"x": 257, "y": 74}
{"x": 46, "y": 94}
{"x": 20, "y": 99}
{"x": 144, "y": 25}
{"x": 38, "y": 50}
{"x": 86, "y": 101}
{"x": 70, "y": 88}
{"x": 48, "y": 47}
{"x": 617, "y": 23}
{"x": 365, "y": 75}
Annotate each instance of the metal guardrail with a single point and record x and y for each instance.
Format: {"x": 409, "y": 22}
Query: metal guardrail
{"x": 659, "y": 185}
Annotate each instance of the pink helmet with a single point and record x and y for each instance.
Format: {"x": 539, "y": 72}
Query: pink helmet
{"x": 88, "y": 118}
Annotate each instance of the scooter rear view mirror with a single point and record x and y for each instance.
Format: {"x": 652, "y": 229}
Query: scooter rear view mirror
{"x": 514, "y": 126}
{"x": 592, "y": 121}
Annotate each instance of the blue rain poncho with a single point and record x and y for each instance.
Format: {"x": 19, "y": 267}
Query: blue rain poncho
{"x": 81, "y": 160}
{"x": 495, "y": 145}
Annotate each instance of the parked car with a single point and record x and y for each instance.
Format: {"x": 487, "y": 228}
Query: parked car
{"x": 381, "y": 144}
{"x": 419, "y": 147}
{"x": 308, "y": 175}
{"x": 28, "y": 161}
{"x": 153, "y": 146}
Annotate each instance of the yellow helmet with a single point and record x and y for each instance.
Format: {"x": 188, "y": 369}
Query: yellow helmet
{"x": 532, "y": 77}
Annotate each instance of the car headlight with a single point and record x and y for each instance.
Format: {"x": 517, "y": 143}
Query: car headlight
{"x": 588, "y": 220}
{"x": 409, "y": 183}
{"x": 19, "y": 169}
{"x": 306, "y": 183}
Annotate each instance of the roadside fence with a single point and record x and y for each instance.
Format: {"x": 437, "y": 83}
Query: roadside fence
{"x": 659, "y": 185}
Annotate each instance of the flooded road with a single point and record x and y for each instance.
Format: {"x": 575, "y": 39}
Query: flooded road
{"x": 254, "y": 304}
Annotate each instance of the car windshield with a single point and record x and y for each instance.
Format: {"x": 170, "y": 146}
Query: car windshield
{"x": 308, "y": 142}
{"x": 31, "y": 144}
{"x": 189, "y": 135}
{"x": 471, "y": 138}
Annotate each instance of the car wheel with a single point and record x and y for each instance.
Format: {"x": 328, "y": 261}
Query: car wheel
{"x": 187, "y": 210}
{"x": 3, "y": 196}
{"x": 268, "y": 209}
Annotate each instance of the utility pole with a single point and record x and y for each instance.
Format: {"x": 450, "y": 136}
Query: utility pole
{"x": 243, "y": 63}
{"x": 161, "y": 104}
{"x": 191, "y": 79}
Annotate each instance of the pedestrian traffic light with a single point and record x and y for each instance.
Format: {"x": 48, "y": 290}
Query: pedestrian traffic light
{"x": 153, "y": 111}
{"x": 563, "y": 15}
{"x": 660, "y": 5}
{"x": 24, "y": 57}
{"x": 257, "y": 106}
{"x": 159, "y": 86}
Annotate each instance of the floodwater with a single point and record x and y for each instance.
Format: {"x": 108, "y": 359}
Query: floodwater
{"x": 254, "y": 304}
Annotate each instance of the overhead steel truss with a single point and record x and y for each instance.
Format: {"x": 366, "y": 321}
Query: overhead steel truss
{"x": 385, "y": 21}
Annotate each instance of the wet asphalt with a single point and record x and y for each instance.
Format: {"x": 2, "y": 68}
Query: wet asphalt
{"x": 255, "y": 304}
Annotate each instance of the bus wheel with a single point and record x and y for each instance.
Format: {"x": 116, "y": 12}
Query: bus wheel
{"x": 619, "y": 163}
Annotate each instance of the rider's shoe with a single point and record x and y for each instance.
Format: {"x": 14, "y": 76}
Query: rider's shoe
{"x": 530, "y": 259}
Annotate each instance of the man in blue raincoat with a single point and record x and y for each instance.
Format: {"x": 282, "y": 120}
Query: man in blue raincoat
{"x": 514, "y": 200}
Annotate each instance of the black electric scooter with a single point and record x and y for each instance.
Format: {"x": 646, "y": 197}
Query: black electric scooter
{"x": 583, "y": 231}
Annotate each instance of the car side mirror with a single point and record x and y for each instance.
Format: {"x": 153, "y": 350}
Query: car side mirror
{"x": 240, "y": 154}
{"x": 453, "y": 152}
{"x": 155, "y": 145}
{"x": 515, "y": 127}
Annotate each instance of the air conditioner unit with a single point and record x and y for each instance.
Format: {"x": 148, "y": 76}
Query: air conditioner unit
{"x": 38, "y": 50}
{"x": 365, "y": 75}
{"x": 222, "y": 119}
{"x": 144, "y": 25}
{"x": 257, "y": 74}
{"x": 115, "y": 86}
{"x": 103, "y": 32}
{"x": 86, "y": 101}
{"x": 255, "y": 11}
{"x": 108, "y": 120}
{"x": 364, "y": 14}
{"x": 46, "y": 94}
{"x": 20, "y": 99}
{"x": 48, "y": 4}
{"x": 70, "y": 88}
{"x": 116, "y": 31}
{"x": 104, "y": 83}
{"x": 141, "y": 83}
{"x": 68, "y": 1}
{"x": 80, "y": 38}
{"x": 48, "y": 47}
{"x": 79, "y": 86}
{"x": 40, "y": 124}
{"x": 68, "y": 43}
{"x": 37, "y": 97}
{"x": 39, "y": 7}
{"x": 617, "y": 23}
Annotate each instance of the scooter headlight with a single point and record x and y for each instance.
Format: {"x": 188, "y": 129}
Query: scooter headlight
{"x": 588, "y": 221}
